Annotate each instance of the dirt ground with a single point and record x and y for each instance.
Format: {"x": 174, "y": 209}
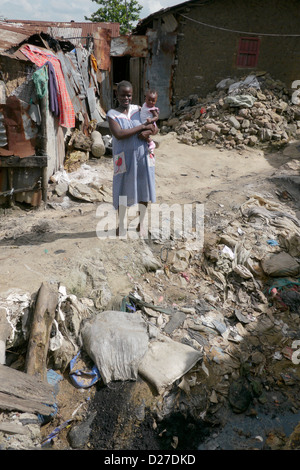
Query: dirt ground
{"x": 60, "y": 244}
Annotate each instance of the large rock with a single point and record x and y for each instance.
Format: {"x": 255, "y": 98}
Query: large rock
{"x": 234, "y": 122}
{"x": 85, "y": 192}
{"x": 98, "y": 147}
{"x": 212, "y": 127}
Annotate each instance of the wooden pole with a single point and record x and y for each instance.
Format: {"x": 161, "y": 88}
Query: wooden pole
{"x": 43, "y": 107}
{"x": 43, "y": 316}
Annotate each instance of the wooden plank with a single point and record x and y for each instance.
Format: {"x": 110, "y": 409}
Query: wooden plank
{"x": 20, "y": 391}
{"x": 20, "y": 384}
{"x": 12, "y": 428}
{"x": 8, "y": 402}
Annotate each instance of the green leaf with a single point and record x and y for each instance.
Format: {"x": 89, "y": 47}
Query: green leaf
{"x": 124, "y": 12}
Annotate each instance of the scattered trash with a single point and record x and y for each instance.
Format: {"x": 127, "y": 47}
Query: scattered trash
{"x": 281, "y": 265}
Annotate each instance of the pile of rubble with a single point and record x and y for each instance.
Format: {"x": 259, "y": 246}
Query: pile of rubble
{"x": 252, "y": 111}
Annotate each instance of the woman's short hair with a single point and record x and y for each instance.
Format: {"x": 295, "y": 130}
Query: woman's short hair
{"x": 124, "y": 84}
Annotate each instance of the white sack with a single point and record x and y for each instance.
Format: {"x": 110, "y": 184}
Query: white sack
{"x": 167, "y": 361}
{"x": 116, "y": 341}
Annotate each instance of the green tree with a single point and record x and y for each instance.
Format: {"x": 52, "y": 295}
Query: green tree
{"x": 125, "y": 12}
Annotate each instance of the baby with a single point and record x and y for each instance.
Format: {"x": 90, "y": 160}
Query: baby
{"x": 150, "y": 113}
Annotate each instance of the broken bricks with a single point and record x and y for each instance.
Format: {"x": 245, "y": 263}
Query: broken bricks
{"x": 240, "y": 113}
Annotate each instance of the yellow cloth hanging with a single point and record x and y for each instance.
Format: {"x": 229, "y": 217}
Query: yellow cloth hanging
{"x": 94, "y": 62}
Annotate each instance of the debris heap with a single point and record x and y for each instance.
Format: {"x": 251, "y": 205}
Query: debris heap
{"x": 256, "y": 110}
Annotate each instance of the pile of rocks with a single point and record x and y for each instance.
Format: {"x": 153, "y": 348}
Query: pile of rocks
{"x": 256, "y": 110}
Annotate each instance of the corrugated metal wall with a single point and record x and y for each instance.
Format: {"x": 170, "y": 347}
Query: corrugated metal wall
{"x": 159, "y": 68}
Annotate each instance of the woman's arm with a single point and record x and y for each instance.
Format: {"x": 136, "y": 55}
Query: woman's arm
{"x": 120, "y": 133}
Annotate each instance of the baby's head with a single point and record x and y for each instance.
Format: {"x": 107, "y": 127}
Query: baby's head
{"x": 151, "y": 98}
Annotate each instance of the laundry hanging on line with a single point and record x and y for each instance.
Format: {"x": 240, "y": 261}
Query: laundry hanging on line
{"x": 40, "y": 58}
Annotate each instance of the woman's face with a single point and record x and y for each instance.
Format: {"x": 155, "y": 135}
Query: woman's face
{"x": 124, "y": 97}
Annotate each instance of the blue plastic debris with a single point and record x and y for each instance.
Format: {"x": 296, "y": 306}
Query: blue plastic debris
{"x": 53, "y": 378}
{"x": 56, "y": 431}
{"x": 273, "y": 242}
{"x": 127, "y": 305}
{"x": 83, "y": 378}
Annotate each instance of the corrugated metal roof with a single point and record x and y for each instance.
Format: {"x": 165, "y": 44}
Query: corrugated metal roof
{"x": 14, "y": 32}
{"x": 86, "y": 28}
{"x": 10, "y": 38}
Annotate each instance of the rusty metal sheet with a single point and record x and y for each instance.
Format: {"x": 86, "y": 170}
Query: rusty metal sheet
{"x": 3, "y": 137}
{"x": 87, "y": 28}
{"x": 9, "y": 39}
{"x": 102, "y": 41}
{"x": 135, "y": 46}
{"x": 105, "y": 81}
{"x": 20, "y": 138}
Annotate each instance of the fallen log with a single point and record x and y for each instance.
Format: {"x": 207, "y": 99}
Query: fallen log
{"x": 40, "y": 329}
{"x": 20, "y": 391}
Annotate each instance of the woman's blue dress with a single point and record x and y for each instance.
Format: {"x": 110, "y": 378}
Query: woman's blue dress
{"x": 134, "y": 166}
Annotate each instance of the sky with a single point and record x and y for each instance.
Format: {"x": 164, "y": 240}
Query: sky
{"x": 67, "y": 10}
